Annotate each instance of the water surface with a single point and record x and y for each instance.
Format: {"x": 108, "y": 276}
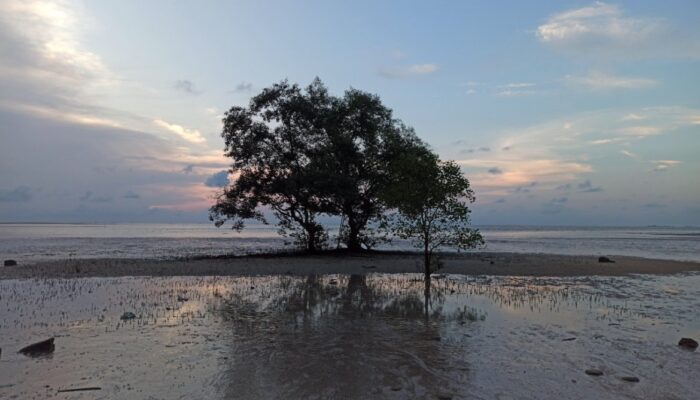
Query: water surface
{"x": 375, "y": 336}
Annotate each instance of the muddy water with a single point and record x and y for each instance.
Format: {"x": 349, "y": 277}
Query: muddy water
{"x": 379, "y": 336}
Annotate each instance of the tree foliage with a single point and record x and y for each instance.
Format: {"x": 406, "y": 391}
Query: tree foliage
{"x": 273, "y": 143}
{"x": 303, "y": 153}
{"x": 430, "y": 198}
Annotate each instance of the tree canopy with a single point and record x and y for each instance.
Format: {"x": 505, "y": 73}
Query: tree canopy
{"x": 303, "y": 153}
{"x": 430, "y": 198}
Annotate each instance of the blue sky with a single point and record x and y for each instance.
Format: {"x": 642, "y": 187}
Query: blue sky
{"x": 559, "y": 112}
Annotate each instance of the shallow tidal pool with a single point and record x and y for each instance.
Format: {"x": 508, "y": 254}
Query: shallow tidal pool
{"x": 338, "y": 336}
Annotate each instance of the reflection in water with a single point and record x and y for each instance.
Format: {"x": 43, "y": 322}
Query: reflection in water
{"x": 346, "y": 336}
{"x": 379, "y": 336}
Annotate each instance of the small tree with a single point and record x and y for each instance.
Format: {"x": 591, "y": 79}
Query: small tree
{"x": 430, "y": 199}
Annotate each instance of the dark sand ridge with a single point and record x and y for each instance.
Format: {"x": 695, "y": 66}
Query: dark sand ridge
{"x": 467, "y": 264}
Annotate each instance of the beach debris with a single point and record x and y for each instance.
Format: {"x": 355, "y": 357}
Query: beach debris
{"x": 10, "y": 263}
{"x": 182, "y": 299}
{"x": 594, "y": 372}
{"x": 688, "y": 343}
{"x": 39, "y": 348}
{"x": 82, "y": 389}
{"x": 633, "y": 379}
{"x": 127, "y": 316}
{"x": 605, "y": 260}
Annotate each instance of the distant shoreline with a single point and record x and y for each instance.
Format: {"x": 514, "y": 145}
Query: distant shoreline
{"x": 482, "y": 263}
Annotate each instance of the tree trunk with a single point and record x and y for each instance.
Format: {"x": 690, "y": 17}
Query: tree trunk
{"x": 311, "y": 239}
{"x": 353, "y": 241}
{"x": 426, "y": 255}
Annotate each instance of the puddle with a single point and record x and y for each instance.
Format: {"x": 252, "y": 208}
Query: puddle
{"x": 375, "y": 336}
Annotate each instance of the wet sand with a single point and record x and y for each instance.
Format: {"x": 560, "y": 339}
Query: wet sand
{"x": 376, "y": 336}
{"x": 498, "y": 264}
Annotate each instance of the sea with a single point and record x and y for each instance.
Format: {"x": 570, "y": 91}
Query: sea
{"x": 31, "y": 243}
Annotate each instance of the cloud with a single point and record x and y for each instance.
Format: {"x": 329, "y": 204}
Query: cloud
{"x": 524, "y": 188}
{"x": 471, "y": 150}
{"x": 654, "y": 205}
{"x": 515, "y": 89}
{"x": 663, "y": 165}
{"x": 243, "y": 87}
{"x": 188, "y": 169}
{"x": 495, "y": 171}
{"x": 21, "y": 194}
{"x": 219, "y": 179}
{"x": 186, "y": 86}
{"x": 601, "y": 81}
{"x": 554, "y": 156}
{"x": 640, "y": 131}
{"x": 605, "y": 141}
{"x": 409, "y": 71}
{"x": 587, "y": 187}
{"x": 190, "y": 135}
{"x": 606, "y": 30}
{"x": 629, "y": 154}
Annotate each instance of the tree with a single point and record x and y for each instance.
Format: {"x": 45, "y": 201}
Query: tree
{"x": 430, "y": 198}
{"x": 361, "y": 131}
{"x": 303, "y": 153}
{"x": 273, "y": 143}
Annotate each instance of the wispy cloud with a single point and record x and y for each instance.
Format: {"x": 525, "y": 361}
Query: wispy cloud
{"x": 599, "y": 81}
{"x": 663, "y": 165}
{"x": 190, "y": 135}
{"x": 606, "y": 30}
{"x": 186, "y": 86}
{"x": 409, "y": 71}
{"x": 629, "y": 154}
{"x": 516, "y": 89}
{"x": 242, "y": 87}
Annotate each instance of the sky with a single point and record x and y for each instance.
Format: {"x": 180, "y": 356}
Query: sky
{"x": 560, "y": 113}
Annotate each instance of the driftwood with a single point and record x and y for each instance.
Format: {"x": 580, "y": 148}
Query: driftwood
{"x": 83, "y": 389}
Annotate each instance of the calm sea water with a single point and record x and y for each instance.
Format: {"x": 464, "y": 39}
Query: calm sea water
{"x": 37, "y": 242}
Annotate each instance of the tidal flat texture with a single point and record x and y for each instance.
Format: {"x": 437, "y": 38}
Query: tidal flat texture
{"x": 384, "y": 336}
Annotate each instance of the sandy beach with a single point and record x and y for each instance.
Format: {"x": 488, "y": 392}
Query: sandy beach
{"x": 498, "y": 264}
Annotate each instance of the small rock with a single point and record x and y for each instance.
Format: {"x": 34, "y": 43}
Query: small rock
{"x": 605, "y": 260}
{"x": 444, "y": 396}
{"x": 333, "y": 282}
{"x": 688, "y": 343}
{"x": 39, "y": 348}
{"x": 630, "y": 379}
{"x": 396, "y": 388}
{"x": 127, "y": 316}
{"x": 10, "y": 263}
{"x": 594, "y": 372}
{"x": 182, "y": 299}
{"x": 568, "y": 339}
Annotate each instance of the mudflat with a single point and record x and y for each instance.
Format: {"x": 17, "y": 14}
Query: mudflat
{"x": 498, "y": 264}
